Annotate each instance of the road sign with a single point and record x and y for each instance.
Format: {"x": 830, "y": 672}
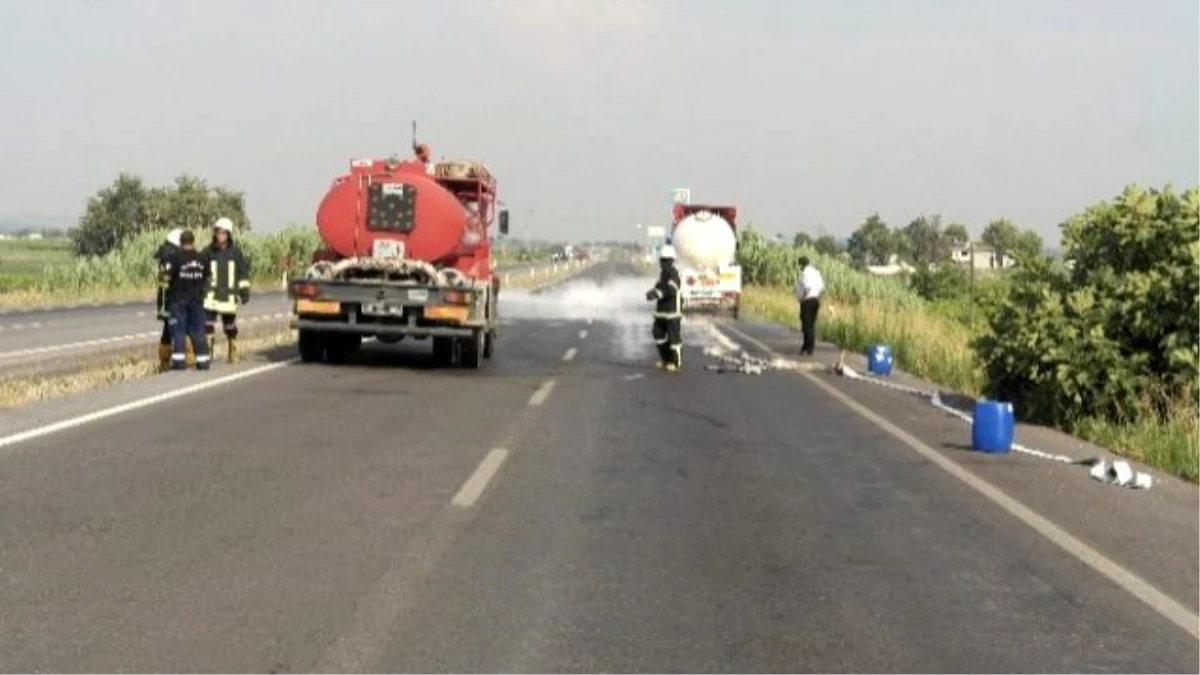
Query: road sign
{"x": 681, "y": 196}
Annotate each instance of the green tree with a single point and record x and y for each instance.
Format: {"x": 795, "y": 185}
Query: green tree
{"x": 922, "y": 241}
{"x": 1027, "y": 245}
{"x": 827, "y": 244}
{"x": 1001, "y": 235}
{"x": 873, "y": 243}
{"x": 127, "y": 208}
{"x": 956, "y": 235}
{"x": 801, "y": 239}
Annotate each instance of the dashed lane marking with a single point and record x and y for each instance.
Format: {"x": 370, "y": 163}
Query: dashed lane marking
{"x": 569, "y": 355}
{"x": 475, "y": 485}
{"x": 105, "y": 341}
{"x": 539, "y": 396}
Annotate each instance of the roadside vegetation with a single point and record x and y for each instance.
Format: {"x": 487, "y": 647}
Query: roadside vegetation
{"x": 1106, "y": 348}
{"x": 108, "y": 256}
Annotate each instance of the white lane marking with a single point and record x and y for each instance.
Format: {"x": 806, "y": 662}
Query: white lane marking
{"x": 569, "y": 355}
{"x": 109, "y": 340}
{"x": 1135, "y": 585}
{"x": 475, "y": 485}
{"x": 142, "y": 313}
{"x": 539, "y": 396}
{"x": 134, "y": 405}
{"x": 589, "y": 321}
{"x": 75, "y": 345}
{"x": 582, "y": 334}
{"x": 635, "y": 376}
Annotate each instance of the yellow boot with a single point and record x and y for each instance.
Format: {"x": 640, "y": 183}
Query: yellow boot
{"x": 164, "y": 357}
{"x": 232, "y": 350}
{"x": 190, "y": 352}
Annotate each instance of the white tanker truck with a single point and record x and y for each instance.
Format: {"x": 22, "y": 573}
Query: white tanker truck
{"x": 705, "y": 239}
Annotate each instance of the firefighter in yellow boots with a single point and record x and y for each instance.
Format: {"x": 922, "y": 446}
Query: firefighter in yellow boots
{"x": 228, "y": 289}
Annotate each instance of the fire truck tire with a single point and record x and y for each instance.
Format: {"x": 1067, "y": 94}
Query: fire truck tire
{"x": 443, "y": 350}
{"x": 489, "y": 341}
{"x": 339, "y": 347}
{"x": 311, "y": 345}
{"x": 472, "y": 350}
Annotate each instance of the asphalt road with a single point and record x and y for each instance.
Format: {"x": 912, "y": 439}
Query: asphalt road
{"x": 43, "y": 340}
{"x": 567, "y": 508}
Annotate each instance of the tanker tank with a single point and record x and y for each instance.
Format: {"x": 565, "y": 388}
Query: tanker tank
{"x": 704, "y": 240}
{"x": 406, "y": 205}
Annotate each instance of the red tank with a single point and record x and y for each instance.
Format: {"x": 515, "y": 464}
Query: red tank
{"x": 440, "y": 218}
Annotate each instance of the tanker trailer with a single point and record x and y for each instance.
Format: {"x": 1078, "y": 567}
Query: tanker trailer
{"x": 406, "y": 254}
{"x": 705, "y": 239}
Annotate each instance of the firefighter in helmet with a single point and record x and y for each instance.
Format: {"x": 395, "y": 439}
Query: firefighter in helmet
{"x": 169, "y": 247}
{"x": 668, "y": 311}
{"x": 229, "y": 287}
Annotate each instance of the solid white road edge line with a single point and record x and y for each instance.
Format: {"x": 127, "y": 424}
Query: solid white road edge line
{"x": 570, "y": 354}
{"x": 473, "y": 488}
{"x": 81, "y": 420}
{"x": 1135, "y": 585}
{"x": 539, "y": 396}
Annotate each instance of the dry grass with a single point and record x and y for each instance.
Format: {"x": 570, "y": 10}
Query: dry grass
{"x": 936, "y": 348}
{"x": 129, "y": 366}
{"x": 923, "y": 343}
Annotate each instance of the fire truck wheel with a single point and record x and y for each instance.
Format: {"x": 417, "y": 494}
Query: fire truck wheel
{"x": 472, "y": 349}
{"x": 339, "y": 347}
{"x": 312, "y": 346}
{"x": 443, "y": 350}
{"x": 489, "y": 340}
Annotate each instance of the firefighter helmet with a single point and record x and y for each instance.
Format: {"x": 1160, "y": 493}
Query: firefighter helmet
{"x": 173, "y": 236}
{"x": 667, "y": 252}
{"x": 224, "y": 224}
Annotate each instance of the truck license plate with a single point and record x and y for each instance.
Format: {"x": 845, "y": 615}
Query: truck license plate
{"x": 418, "y": 295}
{"x": 382, "y": 309}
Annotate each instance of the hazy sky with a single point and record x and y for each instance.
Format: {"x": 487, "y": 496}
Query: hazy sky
{"x": 800, "y": 113}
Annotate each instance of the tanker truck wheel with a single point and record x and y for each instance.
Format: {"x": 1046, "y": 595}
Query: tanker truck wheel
{"x": 312, "y": 346}
{"x": 472, "y": 350}
{"x": 339, "y": 347}
{"x": 489, "y": 341}
{"x": 443, "y": 350}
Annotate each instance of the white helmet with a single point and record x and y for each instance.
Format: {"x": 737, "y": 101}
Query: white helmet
{"x": 173, "y": 236}
{"x": 667, "y": 252}
{"x": 224, "y": 224}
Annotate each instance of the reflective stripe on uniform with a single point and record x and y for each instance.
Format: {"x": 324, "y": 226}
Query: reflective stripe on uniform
{"x": 203, "y": 359}
{"x": 220, "y": 306}
{"x": 668, "y": 315}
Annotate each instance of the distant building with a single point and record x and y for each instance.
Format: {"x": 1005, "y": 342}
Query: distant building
{"x": 981, "y": 257}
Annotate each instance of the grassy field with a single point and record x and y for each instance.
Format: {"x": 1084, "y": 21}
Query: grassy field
{"x": 931, "y": 341}
{"x": 23, "y": 261}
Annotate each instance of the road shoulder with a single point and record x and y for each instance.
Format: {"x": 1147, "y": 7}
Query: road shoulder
{"x": 1151, "y": 533}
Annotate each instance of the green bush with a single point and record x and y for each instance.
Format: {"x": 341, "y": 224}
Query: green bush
{"x": 1116, "y": 337}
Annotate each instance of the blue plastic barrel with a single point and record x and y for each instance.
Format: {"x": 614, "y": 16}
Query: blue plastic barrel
{"x": 992, "y": 428}
{"x": 879, "y": 360}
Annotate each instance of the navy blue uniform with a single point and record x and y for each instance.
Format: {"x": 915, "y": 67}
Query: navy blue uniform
{"x": 187, "y": 274}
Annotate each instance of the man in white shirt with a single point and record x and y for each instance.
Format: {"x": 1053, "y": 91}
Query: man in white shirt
{"x": 809, "y": 288}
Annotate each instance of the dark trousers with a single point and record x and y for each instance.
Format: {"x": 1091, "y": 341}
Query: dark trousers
{"x": 808, "y": 324}
{"x": 228, "y": 324}
{"x": 187, "y": 320}
{"x": 669, "y": 339}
